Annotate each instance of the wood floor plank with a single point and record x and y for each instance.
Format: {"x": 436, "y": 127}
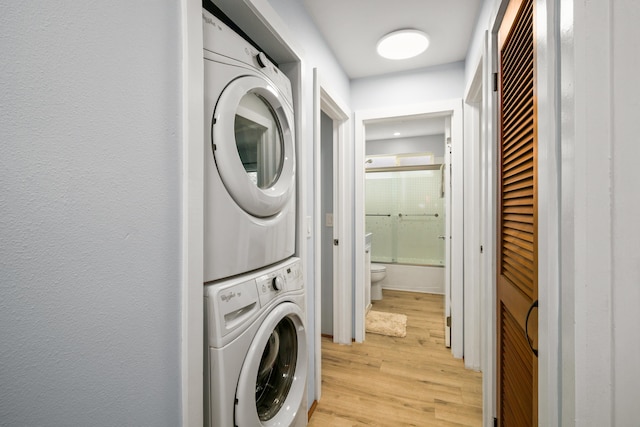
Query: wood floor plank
{"x": 391, "y": 381}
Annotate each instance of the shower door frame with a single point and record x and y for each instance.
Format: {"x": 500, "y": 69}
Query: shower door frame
{"x": 413, "y": 168}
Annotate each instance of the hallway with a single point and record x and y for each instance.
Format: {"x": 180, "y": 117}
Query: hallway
{"x": 390, "y": 381}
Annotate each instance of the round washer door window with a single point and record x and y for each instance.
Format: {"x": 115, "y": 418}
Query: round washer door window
{"x": 253, "y": 145}
{"x": 273, "y": 378}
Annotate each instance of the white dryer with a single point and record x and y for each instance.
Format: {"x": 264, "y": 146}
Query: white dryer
{"x": 256, "y": 349}
{"x": 249, "y": 159}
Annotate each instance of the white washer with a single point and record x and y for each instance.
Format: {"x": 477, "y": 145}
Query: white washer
{"x": 249, "y": 159}
{"x": 256, "y": 349}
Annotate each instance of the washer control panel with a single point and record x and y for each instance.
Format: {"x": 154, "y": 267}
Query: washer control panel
{"x": 233, "y": 303}
{"x": 287, "y": 278}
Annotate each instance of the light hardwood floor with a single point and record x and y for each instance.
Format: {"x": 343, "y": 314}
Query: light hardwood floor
{"x": 387, "y": 381}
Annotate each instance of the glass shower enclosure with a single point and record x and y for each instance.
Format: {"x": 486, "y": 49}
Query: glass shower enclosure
{"x": 405, "y": 211}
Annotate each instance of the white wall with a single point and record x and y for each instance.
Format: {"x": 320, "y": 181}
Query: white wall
{"x": 625, "y": 211}
{"x": 315, "y": 50}
{"x": 408, "y": 88}
{"x": 476, "y": 45}
{"x": 316, "y": 54}
{"x": 90, "y": 214}
{"x": 601, "y": 278}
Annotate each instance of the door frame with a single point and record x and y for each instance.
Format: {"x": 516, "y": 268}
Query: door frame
{"x": 547, "y": 74}
{"x": 489, "y": 203}
{"x": 325, "y": 101}
{"x": 192, "y": 224}
{"x": 474, "y": 253}
{"x": 453, "y": 107}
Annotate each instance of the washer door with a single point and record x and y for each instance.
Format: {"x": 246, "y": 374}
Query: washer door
{"x": 253, "y": 145}
{"x": 273, "y": 378}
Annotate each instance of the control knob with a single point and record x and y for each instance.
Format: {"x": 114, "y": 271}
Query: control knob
{"x": 277, "y": 283}
{"x": 262, "y": 59}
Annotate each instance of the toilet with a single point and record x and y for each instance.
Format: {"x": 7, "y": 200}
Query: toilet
{"x": 378, "y": 272}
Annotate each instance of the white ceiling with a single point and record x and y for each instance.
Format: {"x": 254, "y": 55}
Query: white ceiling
{"x": 352, "y": 29}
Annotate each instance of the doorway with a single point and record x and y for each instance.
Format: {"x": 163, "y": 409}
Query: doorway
{"x": 453, "y": 109}
{"x": 406, "y": 192}
{"x": 332, "y": 243}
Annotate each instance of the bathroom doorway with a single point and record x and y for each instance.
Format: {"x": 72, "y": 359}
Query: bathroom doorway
{"x": 405, "y": 200}
{"x": 451, "y": 112}
{"x": 406, "y": 194}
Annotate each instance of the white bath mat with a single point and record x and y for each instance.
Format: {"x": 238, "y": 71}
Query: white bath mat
{"x": 390, "y": 324}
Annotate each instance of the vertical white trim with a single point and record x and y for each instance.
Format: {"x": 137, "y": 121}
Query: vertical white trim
{"x": 472, "y": 219}
{"x": 490, "y": 172}
{"x": 567, "y": 233}
{"x": 448, "y": 197}
{"x": 317, "y": 232}
{"x": 454, "y": 107}
{"x": 457, "y": 231}
{"x": 192, "y": 213}
{"x": 358, "y": 226}
{"x": 547, "y": 79}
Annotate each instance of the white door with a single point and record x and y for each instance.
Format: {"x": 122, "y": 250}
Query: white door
{"x": 258, "y": 170}
{"x": 272, "y": 382}
{"x": 447, "y": 235}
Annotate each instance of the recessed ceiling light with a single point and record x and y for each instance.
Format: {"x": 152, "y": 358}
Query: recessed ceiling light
{"x": 397, "y": 134}
{"x": 403, "y": 44}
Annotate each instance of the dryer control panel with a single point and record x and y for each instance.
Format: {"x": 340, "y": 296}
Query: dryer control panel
{"x": 221, "y": 40}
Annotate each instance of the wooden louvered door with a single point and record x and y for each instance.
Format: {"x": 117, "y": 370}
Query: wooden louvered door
{"x": 517, "y": 287}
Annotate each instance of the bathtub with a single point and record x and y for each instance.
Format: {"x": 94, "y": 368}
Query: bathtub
{"x": 414, "y": 278}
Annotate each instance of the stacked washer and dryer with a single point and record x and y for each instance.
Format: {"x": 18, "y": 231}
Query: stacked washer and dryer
{"x": 255, "y": 339}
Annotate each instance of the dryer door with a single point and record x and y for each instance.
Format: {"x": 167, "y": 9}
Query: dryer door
{"x": 272, "y": 382}
{"x": 253, "y": 145}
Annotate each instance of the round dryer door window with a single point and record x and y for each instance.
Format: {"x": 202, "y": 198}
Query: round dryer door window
{"x": 273, "y": 378}
{"x": 253, "y": 145}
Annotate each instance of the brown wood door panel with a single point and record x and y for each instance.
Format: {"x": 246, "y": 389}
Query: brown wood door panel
{"x": 517, "y": 282}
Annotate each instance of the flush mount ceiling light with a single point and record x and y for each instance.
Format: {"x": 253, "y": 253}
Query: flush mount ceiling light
{"x": 403, "y": 44}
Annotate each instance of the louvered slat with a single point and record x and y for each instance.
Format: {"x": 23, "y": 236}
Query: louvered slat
{"x": 517, "y": 371}
{"x": 520, "y": 242}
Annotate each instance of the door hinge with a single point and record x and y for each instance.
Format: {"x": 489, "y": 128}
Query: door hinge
{"x": 448, "y": 321}
{"x": 481, "y": 249}
{"x": 495, "y": 422}
{"x": 495, "y": 82}
{"x": 335, "y": 242}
